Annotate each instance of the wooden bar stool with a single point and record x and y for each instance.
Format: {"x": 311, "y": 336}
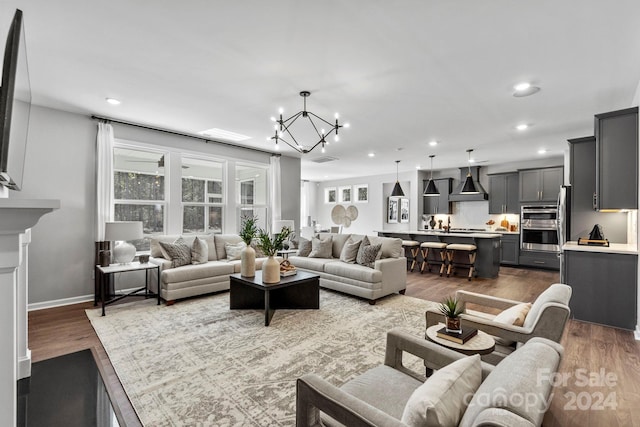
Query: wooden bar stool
{"x": 441, "y": 259}
{"x": 411, "y": 250}
{"x": 454, "y": 248}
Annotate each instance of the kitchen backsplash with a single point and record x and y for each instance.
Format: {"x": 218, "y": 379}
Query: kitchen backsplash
{"x": 474, "y": 215}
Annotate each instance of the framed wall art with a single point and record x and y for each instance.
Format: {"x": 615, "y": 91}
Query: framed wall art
{"x": 361, "y": 193}
{"x": 330, "y": 195}
{"x": 393, "y": 209}
{"x": 404, "y": 210}
{"x": 344, "y": 194}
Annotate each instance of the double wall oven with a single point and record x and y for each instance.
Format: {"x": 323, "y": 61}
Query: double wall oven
{"x": 539, "y": 228}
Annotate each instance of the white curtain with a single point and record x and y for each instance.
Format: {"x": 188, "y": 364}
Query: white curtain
{"x": 104, "y": 181}
{"x": 276, "y": 190}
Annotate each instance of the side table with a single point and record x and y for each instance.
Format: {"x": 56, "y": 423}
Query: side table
{"x": 482, "y": 343}
{"x": 286, "y": 252}
{"x": 104, "y": 278}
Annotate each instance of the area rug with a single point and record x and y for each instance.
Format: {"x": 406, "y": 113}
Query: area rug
{"x": 199, "y": 363}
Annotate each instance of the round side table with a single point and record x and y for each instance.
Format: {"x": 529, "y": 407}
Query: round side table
{"x": 480, "y": 344}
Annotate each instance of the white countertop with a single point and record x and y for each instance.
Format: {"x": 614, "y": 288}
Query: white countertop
{"x": 476, "y": 235}
{"x": 613, "y": 248}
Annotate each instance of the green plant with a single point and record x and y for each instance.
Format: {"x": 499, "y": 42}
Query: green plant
{"x": 270, "y": 245}
{"x": 451, "y": 307}
{"x": 248, "y": 229}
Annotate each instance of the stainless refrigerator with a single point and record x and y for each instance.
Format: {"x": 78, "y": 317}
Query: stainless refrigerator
{"x": 564, "y": 224}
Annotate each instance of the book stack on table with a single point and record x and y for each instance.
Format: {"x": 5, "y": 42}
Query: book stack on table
{"x": 459, "y": 338}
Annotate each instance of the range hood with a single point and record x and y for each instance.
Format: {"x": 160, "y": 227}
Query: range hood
{"x": 475, "y": 174}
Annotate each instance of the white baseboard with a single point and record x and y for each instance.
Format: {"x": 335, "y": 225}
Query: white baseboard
{"x": 66, "y": 301}
{"x": 24, "y": 366}
{"x": 59, "y": 302}
{"x": 636, "y": 333}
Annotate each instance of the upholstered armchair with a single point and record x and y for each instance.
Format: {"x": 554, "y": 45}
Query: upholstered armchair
{"x": 463, "y": 390}
{"x": 546, "y": 318}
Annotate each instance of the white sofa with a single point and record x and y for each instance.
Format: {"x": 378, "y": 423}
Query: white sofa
{"x": 197, "y": 279}
{"x": 388, "y": 275}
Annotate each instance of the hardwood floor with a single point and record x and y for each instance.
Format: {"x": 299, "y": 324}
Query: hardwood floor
{"x": 604, "y": 353}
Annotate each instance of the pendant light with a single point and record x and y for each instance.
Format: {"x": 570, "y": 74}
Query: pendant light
{"x": 397, "y": 190}
{"x": 431, "y": 190}
{"x": 469, "y": 187}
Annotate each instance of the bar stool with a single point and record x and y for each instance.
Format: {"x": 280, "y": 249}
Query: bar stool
{"x": 453, "y": 249}
{"x": 426, "y": 247}
{"x": 411, "y": 250}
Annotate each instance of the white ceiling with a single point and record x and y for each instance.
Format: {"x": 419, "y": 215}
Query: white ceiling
{"x": 400, "y": 72}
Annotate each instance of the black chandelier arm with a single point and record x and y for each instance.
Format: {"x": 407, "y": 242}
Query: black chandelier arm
{"x": 320, "y": 118}
{"x": 288, "y": 143}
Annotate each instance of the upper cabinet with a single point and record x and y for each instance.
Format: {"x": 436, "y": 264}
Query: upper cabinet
{"x": 540, "y": 185}
{"x": 440, "y": 204}
{"x": 617, "y": 159}
{"x": 503, "y": 193}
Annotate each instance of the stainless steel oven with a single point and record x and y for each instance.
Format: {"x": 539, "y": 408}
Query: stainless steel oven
{"x": 539, "y": 228}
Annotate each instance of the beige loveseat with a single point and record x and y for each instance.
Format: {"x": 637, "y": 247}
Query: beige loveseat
{"x": 197, "y": 279}
{"x": 388, "y": 275}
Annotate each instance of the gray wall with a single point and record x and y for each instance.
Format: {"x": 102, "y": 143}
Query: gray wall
{"x": 60, "y": 164}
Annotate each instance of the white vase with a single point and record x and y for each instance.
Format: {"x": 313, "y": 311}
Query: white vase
{"x": 271, "y": 270}
{"x": 248, "y": 262}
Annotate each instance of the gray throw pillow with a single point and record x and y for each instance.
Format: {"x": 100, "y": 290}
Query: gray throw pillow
{"x": 304, "y": 247}
{"x": 350, "y": 251}
{"x": 368, "y": 253}
{"x": 199, "y": 251}
{"x": 178, "y": 252}
{"x": 321, "y": 248}
{"x": 234, "y": 250}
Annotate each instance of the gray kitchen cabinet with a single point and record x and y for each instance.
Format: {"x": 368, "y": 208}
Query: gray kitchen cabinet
{"x": 548, "y": 260}
{"x": 604, "y": 287}
{"x": 540, "y": 185}
{"x": 509, "y": 249}
{"x": 503, "y": 193}
{"x": 617, "y": 159}
{"x": 440, "y": 204}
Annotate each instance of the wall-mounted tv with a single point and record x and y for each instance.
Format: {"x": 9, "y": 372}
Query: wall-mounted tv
{"x": 15, "y": 106}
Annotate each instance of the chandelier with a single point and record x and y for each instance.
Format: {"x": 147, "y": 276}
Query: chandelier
{"x": 282, "y": 128}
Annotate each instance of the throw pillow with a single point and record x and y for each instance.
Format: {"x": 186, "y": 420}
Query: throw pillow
{"x": 178, "y": 252}
{"x": 259, "y": 253}
{"x": 443, "y": 398}
{"x": 234, "y": 250}
{"x": 304, "y": 247}
{"x": 368, "y": 253}
{"x": 321, "y": 248}
{"x": 199, "y": 251}
{"x": 512, "y": 316}
{"x": 350, "y": 251}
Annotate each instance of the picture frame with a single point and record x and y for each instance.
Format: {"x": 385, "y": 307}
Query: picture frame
{"x": 404, "y": 210}
{"x": 393, "y": 209}
{"x": 330, "y": 195}
{"x": 345, "y": 195}
{"x": 361, "y": 193}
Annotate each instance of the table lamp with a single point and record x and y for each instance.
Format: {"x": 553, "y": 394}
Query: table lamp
{"x": 121, "y": 231}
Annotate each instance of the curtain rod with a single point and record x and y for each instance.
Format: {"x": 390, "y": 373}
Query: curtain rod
{"x": 173, "y": 132}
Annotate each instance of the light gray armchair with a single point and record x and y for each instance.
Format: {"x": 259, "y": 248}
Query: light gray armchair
{"x": 546, "y": 318}
{"x": 378, "y": 397}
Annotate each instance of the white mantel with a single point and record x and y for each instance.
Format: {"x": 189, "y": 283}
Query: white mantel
{"x": 16, "y": 219}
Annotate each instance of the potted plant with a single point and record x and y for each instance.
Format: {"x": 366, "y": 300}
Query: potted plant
{"x": 248, "y": 231}
{"x": 269, "y": 245}
{"x": 452, "y": 309}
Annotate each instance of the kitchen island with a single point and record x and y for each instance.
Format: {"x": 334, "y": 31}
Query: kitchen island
{"x": 488, "y": 244}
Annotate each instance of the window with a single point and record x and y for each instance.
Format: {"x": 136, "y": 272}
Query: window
{"x": 139, "y": 190}
{"x": 252, "y": 193}
{"x": 202, "y": 196}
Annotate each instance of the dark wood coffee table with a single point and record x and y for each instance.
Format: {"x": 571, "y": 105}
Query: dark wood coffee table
{"x": 300, "y": 291}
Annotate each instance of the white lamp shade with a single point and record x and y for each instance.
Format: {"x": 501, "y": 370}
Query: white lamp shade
{"x": 123, "y": 230}
{"x": 278, "y": 225}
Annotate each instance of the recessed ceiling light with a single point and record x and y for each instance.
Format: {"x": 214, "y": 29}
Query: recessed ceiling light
{"x": 372, "y": 154}
{"x": 433, "y": 143}
{"x": 522, "y": 126}
{"x": 525, "y": 89}
{"x": 418, "y": 167}
{"x": 542, "y": 151}
{"x": 224, "y": 134}
{"x": 112, "y": 101}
